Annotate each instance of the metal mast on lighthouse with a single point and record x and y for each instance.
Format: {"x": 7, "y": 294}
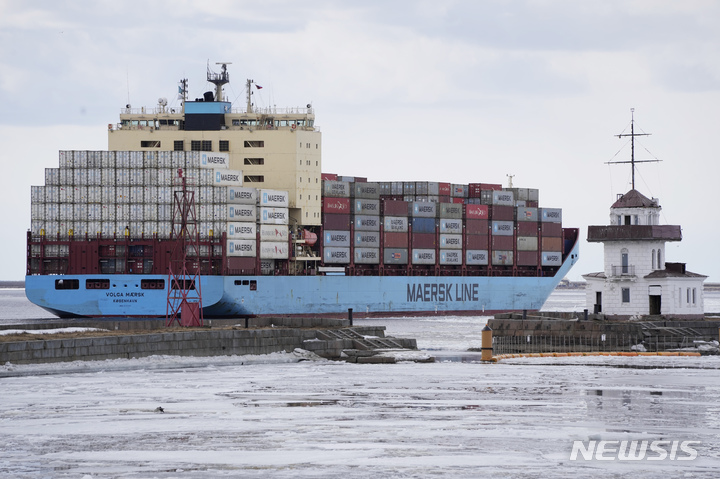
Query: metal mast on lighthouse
{"x": 632, "y": 136}
{"x": 184, "y": 301}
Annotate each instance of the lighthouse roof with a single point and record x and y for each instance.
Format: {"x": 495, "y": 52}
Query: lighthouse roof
{"x": 635, "y": 199}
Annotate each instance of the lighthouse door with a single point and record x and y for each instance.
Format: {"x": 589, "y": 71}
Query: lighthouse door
{"x": 655, "y": 297}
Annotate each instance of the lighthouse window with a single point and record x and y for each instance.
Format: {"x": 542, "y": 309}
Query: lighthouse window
{"x": 626, "y": 295}
{"x": 224, "y": 145}
{"x": 694, "y": 295}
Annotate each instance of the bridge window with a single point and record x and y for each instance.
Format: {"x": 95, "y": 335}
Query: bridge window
{"x": 201, "y": 145}
{"x": 224, "y": 145}
{"x": 150, "y": 144}
{"x": 254, "y": 179}
{"x": 254, "y": 143}
{"x": 178, "y": 145}
{"x": 254, "y": 161}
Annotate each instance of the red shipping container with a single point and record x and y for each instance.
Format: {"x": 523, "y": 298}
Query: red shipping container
{"x": 526, "y": 258}
{"x": 477, "y": 241}
{"x": 336, "y": 222}
{"x": 531, "y": 203}
{"x": 527, "y": 228}
{"x": 551, "y": 229}
{"x": 395, "y": 240}
{"x": 328, "y": 176}
{"x": 506, "y": 243}
{"x": 551, "y": 244}
{"x": 490, "y": 186}
{"x": 502, "y": 213}
{"x": 479, "y": 212}
{"x": 360, "y": 180}
{"x": 337, "y": 206}
{"x": 444, "y": 189}
{"x": 423, "y": 240}
{"x": 476, "y": 227}
{"x": 236, "y": 263}
{"x": 458, "y": 200}
{"x": 474, "y": 190}
{"x": 394, "y": 208}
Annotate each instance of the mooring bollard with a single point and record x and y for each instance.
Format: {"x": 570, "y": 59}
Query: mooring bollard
{"x": 350, "y": 316}
{"x": 486, "y": 346}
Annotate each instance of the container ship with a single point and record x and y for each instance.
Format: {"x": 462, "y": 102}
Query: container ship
{"x": 228, "y": 206}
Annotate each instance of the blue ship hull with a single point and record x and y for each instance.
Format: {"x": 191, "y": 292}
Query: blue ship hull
{"x": 237, "y": 296}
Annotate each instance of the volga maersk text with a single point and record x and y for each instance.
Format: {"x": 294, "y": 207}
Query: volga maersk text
{"x": 229, "y": 206}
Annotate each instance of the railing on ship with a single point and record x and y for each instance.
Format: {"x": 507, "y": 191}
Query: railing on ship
{"x": 235, "y": 111}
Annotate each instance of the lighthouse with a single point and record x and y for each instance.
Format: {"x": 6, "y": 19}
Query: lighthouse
{"x": 637, "y": 280}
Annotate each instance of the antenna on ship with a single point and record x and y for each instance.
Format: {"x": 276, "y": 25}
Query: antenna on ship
{"x": 248, "y": 88}
{"x": 632, "y": 136}
{"x": 219, "y": 79}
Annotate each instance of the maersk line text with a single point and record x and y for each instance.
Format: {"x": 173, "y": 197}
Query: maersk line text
{"x": 428, "y": 292}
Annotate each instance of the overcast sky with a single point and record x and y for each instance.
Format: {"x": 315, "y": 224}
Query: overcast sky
{"x": 455, "y": 91}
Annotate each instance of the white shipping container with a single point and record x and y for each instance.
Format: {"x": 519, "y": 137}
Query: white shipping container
{"x": 242, "y": 213}
{"x": 423, "y": 256}
{"x": 150, "y": 176}
{"x": 52, "y": 177}
{"x": 52, "y": 228}
{"x": 476, "y": 257}
{"x": 267, "y": 266}
{"x": 239, "y": 195}
{"x": 207, "y": 194}
{"x": 107, "y": 177}
{"x": 503, "y": 228}
{"x": 66, "y": 228}
{"x": 122, "y": 195}
{"x": 366, "y": 207}
{"x": 52, "y": 211}
{"x": 94, "y": 228}
{"x": 367, "y": 223}
{"x": 80, "y": 212}
{"x": 150, "y": 194}
{"x": 551, "y": 258}
{"x": 227, "y": 178}
{"x": 274, "y": 198}
{"x": 192, "y": 159}
{"x": 178, "y": 159}
{"x": 122, "y": 177}
{"x": 137, "y": 177}
{"x": 66, "y": 177}
{"x": 150, "y": 228}
{"x": 450, "y": 257}
{"x": 241, "y": 230}
{"x": 395, "y": 224}
{"x": 336, "y": 238}
{"x": 367, "y": 239}
{"x": 502, "y": 258}
{"x": 164, "y": 229}
{"x": 66, "y": 211}
{"x": 37, "y": 227}
{"x": 108, "y": 195}
{"x": 274, "y": 233}
{"x": 107, "y": 159}
{"x": 37, "y": 211}
{"x": 94, "y": 194}
{"x": 80, "y": 176}
{"x": 165, "y": 176}
{"x": 164, "y": 159}
{"x": 67, "y": 194}
{"x": 94, "y": 212}
{"x": 164, "y": 195}
{"x": 52, "y": 194}
{"x": 243, "y": 248}
{"x": 336, "y": 189}
{"x": 205, "y": 229}
{"x": 137, "y": 194}
{"x": 135, "y": 228}
{"x": 80, "y": 194}
{"x": 65, "y": 159}
{"x": 204, "y": 212}
{"x": 108, "y": 228}
{"x": 149, "y": 211}
{"x": 137, "y": 212}
{"x": 272, "y": 216}
{"x": 213, "y": 160}
{"x": 164, "y": 212}
{"x": 220, "y": 212}
{"x": 367, "y": 255}
{"x": 450, "y": 241}
{"x": 452, "y": 226}
{"x": 551, "y": 215}
{"x": 336, "y": 255}
{"x": 150, "y": 159}
{"x": 206, "y": 177}
{"x": 424, "y": 209}
{"x": 527, "y": 243}
{"x": 503, "y": 197}
{"x": 80, "y": 229}
{"x": 136, "y": 159}
{"x": 108, "y": 212}
{"x": 273, "y": 250}
{"x": 37, "y": 194}
{"x": 122, "y": 213}
{"x": 80, "y": 158}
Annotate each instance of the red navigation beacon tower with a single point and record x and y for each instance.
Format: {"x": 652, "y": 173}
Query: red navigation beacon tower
{"x": 184, "y": 303}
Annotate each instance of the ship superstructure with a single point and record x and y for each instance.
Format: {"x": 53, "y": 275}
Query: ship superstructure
{"x": 275, "y": 234}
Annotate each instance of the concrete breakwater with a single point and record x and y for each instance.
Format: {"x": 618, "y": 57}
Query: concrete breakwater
{"x": 136, "y": 339}
{"x": 564, "y": 332}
